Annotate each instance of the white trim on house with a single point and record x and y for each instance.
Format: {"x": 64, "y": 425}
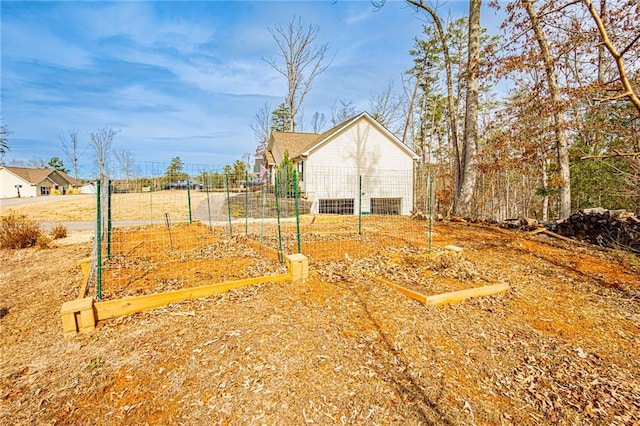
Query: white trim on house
{"x": 332, "y": 164}
{"x": 342, "y": 128}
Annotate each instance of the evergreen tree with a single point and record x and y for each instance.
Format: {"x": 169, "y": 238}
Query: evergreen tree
{"x": 56, "y": 163}
{"x": 284, "y": 177}
{"x": 175, "y": 171}
{"x": 281, "y": 119}
{"x": 239, "y": 171}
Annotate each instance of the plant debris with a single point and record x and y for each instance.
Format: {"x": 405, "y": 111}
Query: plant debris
{"x": 562, "y": 346}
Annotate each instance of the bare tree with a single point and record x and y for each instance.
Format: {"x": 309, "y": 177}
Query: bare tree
{"x": 342, "y": 112}
{"x": 453, "y": 119}
{"x": 101, "y": 142}
{"x": 126, "y": 160}
{"x": 71, "y": 149}
{"x": 615, "y": 54}
{"x": 303, "y": 60}
{"x": 385, "y": 107}
{"x": 36, "y": 162}
{"x": 4, "y": 143}
{"x": 559, "y": 127}
{"x": 318, "y": 122}
{"x": 261, "y": 127}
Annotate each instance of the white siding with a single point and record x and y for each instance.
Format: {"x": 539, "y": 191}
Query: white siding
{"x": 8, "y": 182}
{"x": 333, "y": 168}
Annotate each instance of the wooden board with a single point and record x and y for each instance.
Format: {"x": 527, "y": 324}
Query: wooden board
{"x": 409, "y": 293}
{"x": 130, "y": 305}
{"x": 440, "y": 299}
{"x": 264, "y": 250}
{"x": 459, "y": 296}
{"x": 85, "y": 266}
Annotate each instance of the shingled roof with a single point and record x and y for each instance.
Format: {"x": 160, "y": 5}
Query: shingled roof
{"x": 36, "y": 176}
{"x": 295, "y": 143}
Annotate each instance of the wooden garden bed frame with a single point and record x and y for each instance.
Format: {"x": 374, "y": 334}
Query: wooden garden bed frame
{"x": 82, "y": 314}
{"x": 444, "y": 298}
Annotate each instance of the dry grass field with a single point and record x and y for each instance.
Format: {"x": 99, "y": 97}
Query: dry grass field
{"x": 562, "y": 346}
{"x": 127, "y": 207}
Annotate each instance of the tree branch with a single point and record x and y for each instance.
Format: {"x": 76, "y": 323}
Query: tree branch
{"x": 617, "y": 154}
{"x": 615, "y": 54}
{"x": 630, "y": 45}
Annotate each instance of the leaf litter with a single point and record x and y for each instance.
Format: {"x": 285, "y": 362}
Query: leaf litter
{"x": 561, "y": 347}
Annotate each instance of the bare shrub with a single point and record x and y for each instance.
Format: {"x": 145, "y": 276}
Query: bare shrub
{"x": 17, "y": 231}
{"x": 43, "y": 241}
{"x": 59, "y": 231}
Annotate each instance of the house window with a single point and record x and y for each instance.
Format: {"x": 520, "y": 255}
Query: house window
{"x": 44, "y": 190}
{"x": 336, "y": 206}
{"x": 387, "y": 206}
{"x": 301, "y": 170}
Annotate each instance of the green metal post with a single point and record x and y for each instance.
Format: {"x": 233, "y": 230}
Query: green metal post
{"x": 246, "y": 203}
{"x": 430, "y": 211}
{"x": 98, "y": 245}
{"x": 189, "y": 199}
{"x": 228, "y": 205}
{"x": 264, "y": 206}
{"x": 206, "y": 182}
{"x": 360, "y": 205}
{"x": 275, "y": 190}
{"x": 151, "y": 201}
{"x": 295, "y": 196}
{"x": 109, "y": 221}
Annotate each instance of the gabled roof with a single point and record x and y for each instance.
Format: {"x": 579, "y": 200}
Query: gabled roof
{"x": 301, "y": 144}
{"x": 292, "y": 142}
{"x": 269, "y": 157}
{"x": 36, "y": 176}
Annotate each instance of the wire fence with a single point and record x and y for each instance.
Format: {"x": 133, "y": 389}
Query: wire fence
{"x": 159, "y": 230}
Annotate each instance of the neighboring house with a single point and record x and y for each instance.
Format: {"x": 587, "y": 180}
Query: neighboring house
{"x": 88, "y": 188}
{"x": 356, "y": 166}
{"x": 25, "y": 182}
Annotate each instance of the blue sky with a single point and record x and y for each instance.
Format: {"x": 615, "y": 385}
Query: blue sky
{"x": 181, "y": 78}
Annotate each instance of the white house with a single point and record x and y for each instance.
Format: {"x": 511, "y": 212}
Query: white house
{"x": 356, "y": 166}
{"x": 25, "y": 182}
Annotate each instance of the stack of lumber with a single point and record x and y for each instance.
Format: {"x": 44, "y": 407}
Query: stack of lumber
{"x": 607, "y": 228}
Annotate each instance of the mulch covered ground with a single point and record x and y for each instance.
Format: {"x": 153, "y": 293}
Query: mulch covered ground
{"x": 561, "y": 346}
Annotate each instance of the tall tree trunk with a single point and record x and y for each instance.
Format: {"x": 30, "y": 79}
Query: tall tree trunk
{"x": 545, "y": 185}
{"x": 562, "y": 144}
{"x": 453, "y": 119}
{"x": 470, "y": 143}
{"x": 411, "y": 105}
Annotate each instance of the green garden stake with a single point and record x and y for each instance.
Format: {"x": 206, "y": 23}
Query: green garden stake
{"x": 151, "y": 202}
{"x": 246, "y": 203}
{"x": 295, "y": 196}
{"x": 360, "y": 205}
{"x": 189, "y": 199}
{"x": 275, "y": 190}
{"x": 264, "y": 206}
{"x": 430, "y": 212}
{"x": 206, "y": 182}
{"x": 228, "y": 205}
{"x": 167, "y": 223}
{"x": 99, "y": 245}
{"x": 109, "y": 222}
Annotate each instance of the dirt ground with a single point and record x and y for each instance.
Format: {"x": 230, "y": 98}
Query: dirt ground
{"x": 562, "y": 346}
